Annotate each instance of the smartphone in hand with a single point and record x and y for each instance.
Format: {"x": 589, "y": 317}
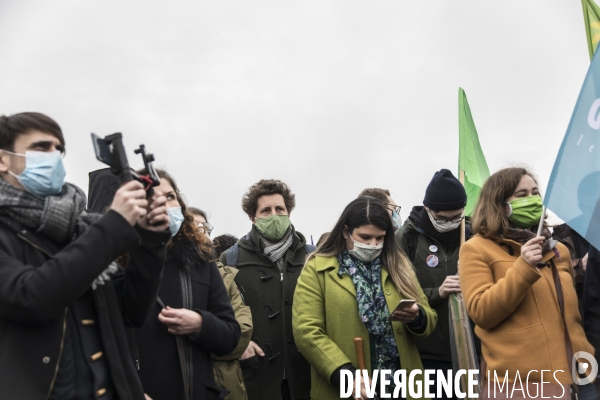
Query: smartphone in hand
{"x": 404, "y": 303}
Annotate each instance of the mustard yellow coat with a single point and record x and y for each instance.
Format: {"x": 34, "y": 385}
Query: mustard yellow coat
{"x": 516, "y": 309}
{"x": 326, "y": 321}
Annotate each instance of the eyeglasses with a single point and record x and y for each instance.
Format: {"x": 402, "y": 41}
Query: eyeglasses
{"x": 205, "y": 226}
{"x": 443, "y": 220}
{"x": 394, "y": 208}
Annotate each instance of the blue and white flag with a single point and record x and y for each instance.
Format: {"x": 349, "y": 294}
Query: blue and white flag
{"x": 574, "y": 186}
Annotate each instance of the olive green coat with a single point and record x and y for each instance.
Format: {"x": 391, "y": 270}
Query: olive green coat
{"x": 227, "y": 371}
{"x": 326, "y": 321}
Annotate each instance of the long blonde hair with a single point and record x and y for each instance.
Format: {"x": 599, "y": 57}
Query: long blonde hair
{"x": 366, "y": 210}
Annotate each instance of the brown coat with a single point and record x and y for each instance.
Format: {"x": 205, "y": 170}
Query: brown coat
{"x": 227, "y": 370}
{"x": 516, "y": 309}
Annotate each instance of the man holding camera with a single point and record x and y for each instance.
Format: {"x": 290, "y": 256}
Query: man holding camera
{"x": 63, "y": 299}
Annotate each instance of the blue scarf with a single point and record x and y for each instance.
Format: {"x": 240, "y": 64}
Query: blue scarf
{"x": 372, "y": 308}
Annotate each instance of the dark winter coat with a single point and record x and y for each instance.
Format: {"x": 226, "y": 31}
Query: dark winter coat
{"x": 155, "y": 349}
{"x": 443, "y": 259}
{"x": 39, "y": 281}
{"x": 591, "y": 302}
{"x": 578, "y": 248}
{"x": 269, "y": 295}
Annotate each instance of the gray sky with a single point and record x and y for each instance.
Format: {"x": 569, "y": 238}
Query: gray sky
{"x": 328, "y": 96}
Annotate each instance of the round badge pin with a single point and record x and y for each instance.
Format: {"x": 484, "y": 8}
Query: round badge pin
{"x": 433, "y": 248}
{"x": 432, "y": 261}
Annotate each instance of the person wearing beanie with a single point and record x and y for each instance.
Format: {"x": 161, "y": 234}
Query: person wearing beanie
{"x": 430, "y": 237}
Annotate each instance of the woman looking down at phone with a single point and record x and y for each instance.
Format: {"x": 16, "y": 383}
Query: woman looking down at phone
{"x": 347, "y": 289}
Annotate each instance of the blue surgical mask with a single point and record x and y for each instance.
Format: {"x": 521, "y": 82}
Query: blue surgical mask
{"x": 396, "y": 220}
{"x": 175, "y": 219}
{"x": 44, "y": 173}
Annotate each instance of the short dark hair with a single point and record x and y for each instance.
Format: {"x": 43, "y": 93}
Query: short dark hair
{"x": 380, "y": 194}
{"x": 266, "y": 187}
{"x": 13, "y": 126}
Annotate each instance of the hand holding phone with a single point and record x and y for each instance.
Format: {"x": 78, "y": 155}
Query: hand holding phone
{"x": 404, "y": 307}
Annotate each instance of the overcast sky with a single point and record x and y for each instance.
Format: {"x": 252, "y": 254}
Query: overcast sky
{"x": 328, "y": 96}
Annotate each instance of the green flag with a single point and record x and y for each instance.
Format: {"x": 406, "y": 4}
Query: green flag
{"x": 591, "y": 18}
{"x": 470, "y": 156}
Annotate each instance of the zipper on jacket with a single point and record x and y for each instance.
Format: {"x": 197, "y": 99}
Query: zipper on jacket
{"x": 136, "y": 350}
{"x": 62, "y": 345}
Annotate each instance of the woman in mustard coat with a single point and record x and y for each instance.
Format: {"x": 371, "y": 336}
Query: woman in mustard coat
{"x": 507, "y": 275}
{"x": 347, "y": 289}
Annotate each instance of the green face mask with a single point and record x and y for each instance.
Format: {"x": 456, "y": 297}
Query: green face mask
{"x": 526, "y": 212}
{"x": 273, "y": 227}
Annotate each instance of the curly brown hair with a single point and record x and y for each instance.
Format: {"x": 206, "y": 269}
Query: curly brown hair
{"x": 266, "y": 187}
{"x": 189, "y": 230}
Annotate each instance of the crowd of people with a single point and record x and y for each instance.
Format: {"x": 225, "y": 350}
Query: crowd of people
{"x": 127, "y": 296}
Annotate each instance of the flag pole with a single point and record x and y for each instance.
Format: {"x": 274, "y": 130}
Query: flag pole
{"x": 463, "y": 226}
{"x": 464, "y": 354}
{"x": 541, "y": 224}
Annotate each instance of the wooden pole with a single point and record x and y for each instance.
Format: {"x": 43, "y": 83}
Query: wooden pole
{"x": 461, "y": 177}
{"x": 360, "y": 352}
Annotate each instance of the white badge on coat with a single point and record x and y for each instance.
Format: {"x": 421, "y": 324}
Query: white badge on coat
{"x": 433, "y": 248}
{"x": 432, "y": 261}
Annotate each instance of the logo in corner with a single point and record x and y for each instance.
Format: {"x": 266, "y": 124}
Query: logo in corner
{"x": 583, "y": 367}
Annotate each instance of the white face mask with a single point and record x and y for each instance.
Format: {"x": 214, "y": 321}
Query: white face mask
{"x": 364, "y": 252}
{"x": 443, "y": 227}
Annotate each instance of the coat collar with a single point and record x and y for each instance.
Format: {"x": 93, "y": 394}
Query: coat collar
{"x": 516, "y": 247}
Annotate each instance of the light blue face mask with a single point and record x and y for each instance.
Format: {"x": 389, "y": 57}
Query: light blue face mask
{"x": 175, "y": 219}
{"x": 396, "y": 220}
{"x": 44, "y": 173}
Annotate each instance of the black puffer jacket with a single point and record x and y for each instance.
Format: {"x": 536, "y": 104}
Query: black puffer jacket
{"x": 157, "y": 352}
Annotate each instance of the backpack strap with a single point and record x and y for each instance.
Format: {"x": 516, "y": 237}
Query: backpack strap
{"x": 412, "y": 237}
{"x": 232, "y": 255}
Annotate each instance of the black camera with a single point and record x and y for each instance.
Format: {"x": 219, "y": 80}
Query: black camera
{"x": 111, "y": 152}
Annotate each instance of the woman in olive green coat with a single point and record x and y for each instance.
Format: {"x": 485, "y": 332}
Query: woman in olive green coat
{"x": 347, "y": 289}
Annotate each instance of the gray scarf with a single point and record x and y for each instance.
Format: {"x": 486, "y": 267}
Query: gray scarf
{"x": 276, "y": 251}
{"x": 61, "y": 218}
